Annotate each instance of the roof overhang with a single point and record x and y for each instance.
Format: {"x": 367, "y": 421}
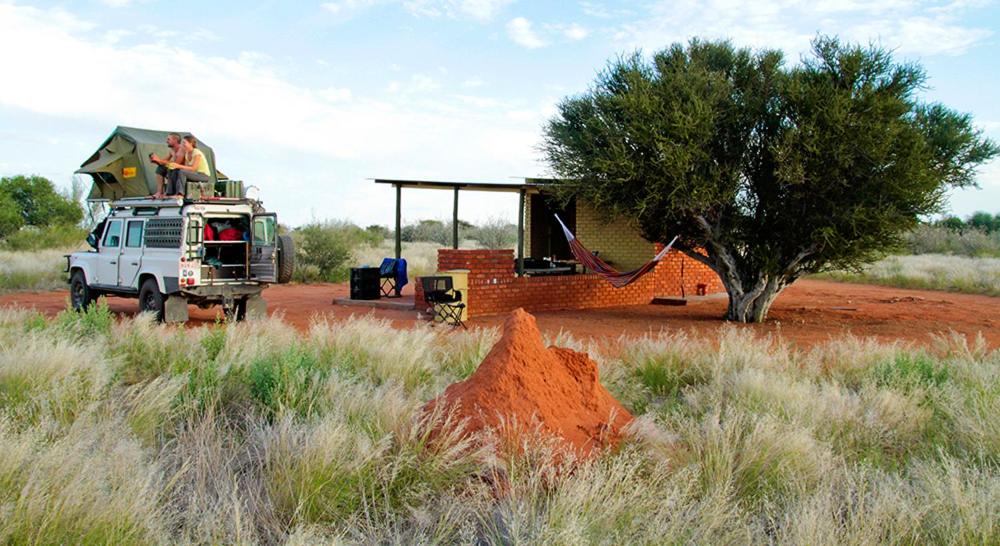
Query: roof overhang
{"x": 509, "y": 187}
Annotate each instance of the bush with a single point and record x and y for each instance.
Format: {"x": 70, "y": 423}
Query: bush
{"x": 379, "y": 232}
{"x": 33, "y": 238}
{"x": 495, "y": 233}
{"x": 39, "y": 203}
{"x": 324, "y": 249}
{"x": 10, "y": 218}
{"x": 940, "y": 239}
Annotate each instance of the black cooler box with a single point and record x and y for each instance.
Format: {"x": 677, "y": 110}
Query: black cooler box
{"x": 365, "y": 283}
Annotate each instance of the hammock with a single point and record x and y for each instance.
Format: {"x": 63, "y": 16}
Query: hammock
{"x": 618, "y": 279}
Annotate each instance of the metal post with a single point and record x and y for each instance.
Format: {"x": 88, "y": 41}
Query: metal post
{"x": 454, "y": 222}
{"x": 399, "y": 221}
{"x": 520, "y": 234}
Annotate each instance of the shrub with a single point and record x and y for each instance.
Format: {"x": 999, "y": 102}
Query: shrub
{"x": 10, "y": 217}
{"x": 324, "y": 249}
{"x": 943, "y": 239}
{"x": 32, "y": 238}
{"x": 39, "y": 203}
{"x": 495, "y": 233}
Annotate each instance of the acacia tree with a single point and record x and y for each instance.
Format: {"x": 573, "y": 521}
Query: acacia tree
{"x": 767, "y": 172}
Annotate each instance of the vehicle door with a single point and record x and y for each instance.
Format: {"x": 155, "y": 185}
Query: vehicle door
{"x": 109, "y": 253}
{"x": 131, "y": 256}
{"x": 263, "y": 248}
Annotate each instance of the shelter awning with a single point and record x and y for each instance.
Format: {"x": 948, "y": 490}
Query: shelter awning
{"x": 528, "y": 186}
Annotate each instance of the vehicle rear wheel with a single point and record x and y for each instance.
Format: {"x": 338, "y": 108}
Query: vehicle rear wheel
{"x": 150, "y": 299}
{"x": 286, "y": 258}
{"x": 238, "y": 312}
{"x": 80, "y": 295}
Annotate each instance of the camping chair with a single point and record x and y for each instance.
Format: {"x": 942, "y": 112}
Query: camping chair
{"x": 445, "y": 302}
{"x": 392, "y": 274}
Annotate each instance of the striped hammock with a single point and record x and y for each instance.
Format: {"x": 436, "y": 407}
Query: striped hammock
{"x": 618, "y": 279}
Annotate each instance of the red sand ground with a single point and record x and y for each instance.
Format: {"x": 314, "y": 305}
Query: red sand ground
{"x": 521, "y": 383}
{"x": 806, "y": 313}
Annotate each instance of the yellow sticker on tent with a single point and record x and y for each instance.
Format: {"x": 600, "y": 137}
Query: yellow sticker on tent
{"x": 128, "y": 172}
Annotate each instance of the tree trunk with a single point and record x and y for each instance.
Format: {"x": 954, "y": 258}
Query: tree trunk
{"x": 752, "y": 305}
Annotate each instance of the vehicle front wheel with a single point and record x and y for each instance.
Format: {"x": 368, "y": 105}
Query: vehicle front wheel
{"x": 80, "y": 295}
{"x": 150, "y": 299}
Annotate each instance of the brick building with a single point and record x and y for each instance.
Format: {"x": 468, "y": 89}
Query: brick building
{"x": 503, "y": 280}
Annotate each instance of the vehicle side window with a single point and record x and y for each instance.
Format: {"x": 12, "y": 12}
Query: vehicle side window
{"x": 264, "y": 230}
{"x": 133, "y": 238}
{"x": 113, "y": 234}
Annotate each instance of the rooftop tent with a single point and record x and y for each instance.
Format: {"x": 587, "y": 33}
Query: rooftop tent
{"x": 121, "y": 168}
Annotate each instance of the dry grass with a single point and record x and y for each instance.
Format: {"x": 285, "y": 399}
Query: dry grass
{"x": 932, "y": 272}
{"x": 130, "y": 432}
{"x": 32, "y": 270}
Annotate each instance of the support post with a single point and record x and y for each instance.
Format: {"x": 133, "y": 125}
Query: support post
{"x": 399, "y": 221}
{"x": 454, "y": 222}
{"x": 520, "y": 234}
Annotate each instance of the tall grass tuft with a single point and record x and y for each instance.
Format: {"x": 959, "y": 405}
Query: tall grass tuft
{"x": 126, "y": 431}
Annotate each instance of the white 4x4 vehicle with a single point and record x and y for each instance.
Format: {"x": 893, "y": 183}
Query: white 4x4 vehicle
{"x": 169, "y": 253}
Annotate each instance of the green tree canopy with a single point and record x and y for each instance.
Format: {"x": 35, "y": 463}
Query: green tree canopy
{"x": 984, "y": 221}
{"x": 766, "y": 171}
{"x": 10, "y": 216}
{"x": 38, "y": 202}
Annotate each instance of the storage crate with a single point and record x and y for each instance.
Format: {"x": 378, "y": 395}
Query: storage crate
{"x": 232, "y": 189}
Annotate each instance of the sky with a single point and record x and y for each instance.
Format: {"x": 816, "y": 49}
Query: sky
{"x": 310, "y": 100}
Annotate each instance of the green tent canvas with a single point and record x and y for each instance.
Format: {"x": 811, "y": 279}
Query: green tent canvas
{"x": 121, "y": 167}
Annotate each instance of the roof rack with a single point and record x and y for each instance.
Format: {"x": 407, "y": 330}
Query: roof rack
{"x": 175, "y": 201}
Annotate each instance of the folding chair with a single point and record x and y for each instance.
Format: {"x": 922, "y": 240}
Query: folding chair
{"x": 445, "y": 302}
{"x": 392, "y": 274}
{"x": 387, "y": 275}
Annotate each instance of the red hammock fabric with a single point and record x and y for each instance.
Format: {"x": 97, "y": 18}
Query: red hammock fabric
{"x": 618, "y": 279}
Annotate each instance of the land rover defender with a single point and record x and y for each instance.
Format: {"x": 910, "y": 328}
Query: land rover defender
{"x": 169, "y": 253}
{"x": 213, "y": 246}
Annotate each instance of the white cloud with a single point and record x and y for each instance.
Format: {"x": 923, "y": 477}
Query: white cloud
{"x": 601, "y": 11}
{"x": 116, "y": 3}
{"x": 473, "y": 83}
{"x": 911, "y": 27}
{"x": 480, "y": 10}
{"x": 343, "y": 7}
{"x": 336, "y": 94}
{"x": 573, "y": 31}
{"x": 116, "y": 35}
{"x": 521, "y": 32}
{"x": 243, "y": 105}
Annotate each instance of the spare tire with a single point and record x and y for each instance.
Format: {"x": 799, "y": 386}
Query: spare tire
{"x": 286, "y": 258}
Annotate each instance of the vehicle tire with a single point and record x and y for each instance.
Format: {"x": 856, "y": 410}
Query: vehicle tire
{"x": 150, "y": 299}
{"x": 238, "y": 313}
{"x": 286, "y": 258}
{"x": 80, "y": 295}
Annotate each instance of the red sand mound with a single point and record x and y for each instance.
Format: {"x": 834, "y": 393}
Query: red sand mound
{"x": 523, "y": 382}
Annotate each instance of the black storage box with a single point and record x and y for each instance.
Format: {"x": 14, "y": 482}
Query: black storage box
{"x": 365, "y": 283}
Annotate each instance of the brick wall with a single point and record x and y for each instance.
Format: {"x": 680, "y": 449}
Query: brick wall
{"x": 679, "y": 275}
{"x": 495, "y": 288}
{"x": 613, "y": 239}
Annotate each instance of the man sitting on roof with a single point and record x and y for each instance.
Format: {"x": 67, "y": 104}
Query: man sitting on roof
{"x": 176, "y": 155}
{"x": 195, "y": 168}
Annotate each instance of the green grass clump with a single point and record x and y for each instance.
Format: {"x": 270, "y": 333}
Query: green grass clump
{"x": 120, "y": 430}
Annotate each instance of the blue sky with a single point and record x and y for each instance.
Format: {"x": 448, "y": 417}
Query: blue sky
{"x": 307, "y": 100}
